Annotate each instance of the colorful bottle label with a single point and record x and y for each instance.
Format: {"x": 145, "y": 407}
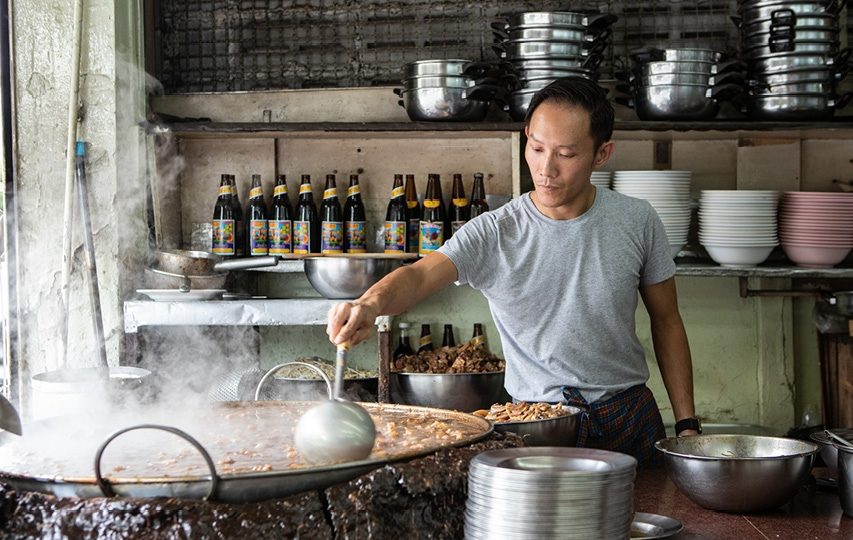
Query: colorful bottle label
{"x": 395, "y": 237}
{"x": 398, "y": 192}
{"x": 353, "y": 190}
{"x": 258, "y": 237}
{"x": 412, "y": 204}
{"x": 256, "y": 192}
{"x": 280, "y": 239}
{"x": 332, "y": 237}
{"x": 301, "y": 236}
{"x": 224, "y": 190}
{"x": 413, "y": 231}
{"x": 460, "y": 202}
{"x": 330, "y": 193}
{"x": 456, "y": 225}
{"x": 304, "y": 188}
{"x": 223, "y": 236}
{"x": 431, "y": 237}
{"x": 478, "y": 340}
{"x": 280, "y": 190}
{"x": 356, "y": 239}
{"x": 432, "y": 203}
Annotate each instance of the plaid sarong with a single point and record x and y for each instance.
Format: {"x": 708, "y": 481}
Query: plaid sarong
{"x": 629, "y": 422}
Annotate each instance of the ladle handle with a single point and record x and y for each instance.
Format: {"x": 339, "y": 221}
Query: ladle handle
{"x": 340, "y": 368}
{"x": 839, "y": 440}
{"x": 274, "y": 369}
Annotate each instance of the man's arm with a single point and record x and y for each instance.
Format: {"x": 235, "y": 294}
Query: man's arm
{"x": 671, "y": 347}
{"x": 392, "y": 295}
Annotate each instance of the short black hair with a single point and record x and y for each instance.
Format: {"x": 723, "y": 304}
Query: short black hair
{"x": 580, "y": 92}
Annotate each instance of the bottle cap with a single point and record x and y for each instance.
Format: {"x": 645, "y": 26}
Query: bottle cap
{"x": 405, "y": 325}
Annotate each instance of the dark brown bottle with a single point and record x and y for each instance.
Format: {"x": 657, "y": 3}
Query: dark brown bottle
{"x": 478, "y": 197}
{"x": 403, "y": 347}
{"x": 306, "y": 226}
{"x": 396, "y": 218}
{"x": 281, "y": 219}
{"x": 432, "y": 224}
{"x": 425, "y": 342}
{"x": 448, "y": 340}
{"x": 332, "y": 238}
{"x": 479, "y": 337}
{"x": 257, "y": 227}
{"x": 223, "y": 221}
{"x": 413, "y": 215}
{"x": 460, "y": 212}
{"x": 355, "y": 220}
{"x": 239, "y": 224}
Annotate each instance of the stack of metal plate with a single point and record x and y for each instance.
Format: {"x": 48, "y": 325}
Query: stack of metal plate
{"x": 550, "y": 492}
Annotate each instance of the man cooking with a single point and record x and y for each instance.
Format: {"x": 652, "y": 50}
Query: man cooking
{"x": 560, "y": 268}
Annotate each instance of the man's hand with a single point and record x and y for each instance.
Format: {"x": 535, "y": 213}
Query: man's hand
{"x": 351, "y": 321}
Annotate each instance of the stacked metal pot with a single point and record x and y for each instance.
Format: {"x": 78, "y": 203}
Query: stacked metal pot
{"x": 679, "y": 84}
{"x": 791, "y": 48}
{"x": 447, "y": 90}
{"x": 542, "y": 46}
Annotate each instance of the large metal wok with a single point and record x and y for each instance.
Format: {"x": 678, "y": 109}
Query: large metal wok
{"x": 61, "y": 462}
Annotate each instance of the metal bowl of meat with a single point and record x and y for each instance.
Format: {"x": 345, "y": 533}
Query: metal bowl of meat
{"x": 295, "y": 381}
{"x": 538, "y": 424}
{"x": 738, "y": 473}
{"x": 465, "y": 392}
{"x": 347, "y": 277}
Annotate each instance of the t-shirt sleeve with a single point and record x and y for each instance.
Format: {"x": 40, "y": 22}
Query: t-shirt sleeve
{"x": 658, "y": 265}
{"x": 469, "y": 249}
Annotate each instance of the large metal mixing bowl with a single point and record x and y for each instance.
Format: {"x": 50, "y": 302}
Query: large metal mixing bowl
{"x": 346, "y": 277}
{"x": 465, "y": 392}
{"x": 559, "y": 431}
{"x": 737, "y": 473}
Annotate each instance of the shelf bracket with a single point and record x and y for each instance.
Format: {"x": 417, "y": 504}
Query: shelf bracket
{"x": 746, "y": 292}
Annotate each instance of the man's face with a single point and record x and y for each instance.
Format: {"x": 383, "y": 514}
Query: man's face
{"x": 561, "y": 153}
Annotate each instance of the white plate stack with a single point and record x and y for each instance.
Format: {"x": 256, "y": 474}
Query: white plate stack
{"x": 601, "y": 179}
{"x": 738, "y": 228}
{"x": 816, "y": 228}
{"x": 669, "y": 194}
{"x": 550, "y": 492}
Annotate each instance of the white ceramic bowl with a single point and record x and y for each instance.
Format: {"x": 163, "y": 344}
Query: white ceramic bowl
{"x": 738, "y": 256}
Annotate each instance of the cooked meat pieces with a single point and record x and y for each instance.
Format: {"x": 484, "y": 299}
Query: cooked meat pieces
{"x": 521, "y": 412}
{"x": 466, "y": 358}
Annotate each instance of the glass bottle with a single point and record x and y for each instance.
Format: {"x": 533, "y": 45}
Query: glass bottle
{"x": 332, "y": 238}
{"x": 281, "y": 219}
{"x": 431, "y": 235}
{"x": 256, "y": 219}
{"x": 448, "y": 340}
{"x": 396, "y": 218}
{"x": 355, "y": 222}
{"x": 478, "y": 339}
{"x": 239, "y": 224}
{"x": 478, "y": 197}
{"x": 460, "y": 212}
{"x": 223, "y": 221}
{"x": 403, "y": 347}
{"x": 425, "y": 342}
{"x": 413, "y": 215}
{"x": 306, "y": 227}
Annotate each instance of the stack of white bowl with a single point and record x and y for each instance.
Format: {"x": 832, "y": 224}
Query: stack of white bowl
{"x": 550, "y": 492}
{"x": 816, "y": 229}
{"x": 738, "y": 227}
{"x": 601, "y": 179}
{"x": 669, "y": 194}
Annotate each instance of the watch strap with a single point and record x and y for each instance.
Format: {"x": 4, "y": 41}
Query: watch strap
{"x": 688, "y": 423}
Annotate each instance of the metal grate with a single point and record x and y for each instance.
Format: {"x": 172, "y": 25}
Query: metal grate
{"x": 231, "y": 45}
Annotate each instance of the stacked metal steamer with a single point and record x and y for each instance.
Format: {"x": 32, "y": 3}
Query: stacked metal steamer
{"x": 447, "y": 90}
{"x": 680, "y": 84}
{"x": 791, "y": 48}
{"x": 540, "y": 47}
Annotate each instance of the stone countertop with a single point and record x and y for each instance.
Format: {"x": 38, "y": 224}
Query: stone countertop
{"x": 815, "y": 513}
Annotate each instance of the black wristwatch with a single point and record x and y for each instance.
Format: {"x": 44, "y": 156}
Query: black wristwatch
{"x": 688, "y": 423}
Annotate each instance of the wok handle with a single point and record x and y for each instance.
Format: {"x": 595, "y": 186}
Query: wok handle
{"x": 246, "y": 263}
{"x": 107, "y": 489}
{"x": 274, "y": 369}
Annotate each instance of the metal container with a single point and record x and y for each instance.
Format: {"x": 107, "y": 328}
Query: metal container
{"x": 782, "y": 62}
{"x": 518, "y": 102}
{"x": 827, "y": 48}
{"x": 187, "y": 263}
{"x": 587, "y": 63}
{"x": 448, "y": 104}
{"x": 845, "y": 478}
{"x": 815, "y": 21}
{"x": 347, "y": 277}
{"x": 814, "y": 87}
{"x": 679, "y": 102}
{"x": 828, "y": 450}
{"x": 800, "y": 35}
{"x": 737, "y": 473}
{"x": 536, "y": 74}
{"x": 440, "y": 68}
{"x": 800, "y": 75}
{"x": 543, "y": 49}
{"x": 158, "y": 279}
{"x": 661, "y": 67}
{"x": 558, "y": 18}
{"x": 675, "y": 55}
{"x": 466, "y": 392}
{"x": 437, "y": 81}
{"x": 549, "y": 34}
{"x": 761, "y": 11}
{"x": 559, "y": 431}
{"x": 795, "y": 106}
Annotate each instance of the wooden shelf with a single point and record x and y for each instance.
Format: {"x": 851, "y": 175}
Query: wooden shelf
{"x": 701, "y": 269}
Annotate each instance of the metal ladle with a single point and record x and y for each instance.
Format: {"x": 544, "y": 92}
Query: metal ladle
{"x": 336, "y": 430}
{"x": 841, "y": 441}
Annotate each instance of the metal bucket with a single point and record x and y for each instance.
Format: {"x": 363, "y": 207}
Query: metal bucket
{"x": 72, "y": 391}
{"x": 845, "y": 478}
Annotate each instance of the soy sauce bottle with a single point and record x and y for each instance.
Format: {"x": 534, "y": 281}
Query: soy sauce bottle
{"x": 223, "y": 221}
{"x": 396, "y": 218}
{"x": 239, "y": 224}
{"x": 431, "y": 235}
{"x": 413, "y": 215}
{"x": 306, "y": 227}
{"x": 403, "y": 347}
{"x": 332, "y": 238}
{"x": 256, "y": 218}
{"x": 281, "y": 219}
{"x": 478, "y": 197}
{"x": 448, "y": 340}
{"x": 460, "y": 212}
{"x": 355, "y": 222}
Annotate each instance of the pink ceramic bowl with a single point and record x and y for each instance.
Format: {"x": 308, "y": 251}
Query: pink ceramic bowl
{"x": 815, "y": 256}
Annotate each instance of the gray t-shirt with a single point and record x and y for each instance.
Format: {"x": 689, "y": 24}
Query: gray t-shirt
{"x": 563, "y": 293}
